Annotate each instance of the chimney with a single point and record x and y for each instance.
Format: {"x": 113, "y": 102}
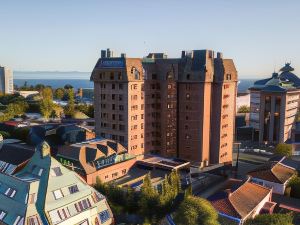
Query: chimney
{"x": 103, "y": 54}
{"x": 108, "y": 52}
{"x": 220, "y": 55}
{"x": 123, "y": 55}
{"x": 183, "y": 54}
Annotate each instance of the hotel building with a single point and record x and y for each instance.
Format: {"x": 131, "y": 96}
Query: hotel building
{"x": 176, "y": 107}
{"x": 274, "y": 104}
{"x": 6, "y": 81}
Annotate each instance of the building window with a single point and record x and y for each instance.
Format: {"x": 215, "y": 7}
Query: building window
{"x": 154, "y": 76}
{"x": 33, "y": 220}
{"x": 188, "y": 76}
{"x": 119, "y": 75}
{"x": 114, "y": 174}
{"x": 113, "y": 86}
{"x": 104, "y": 216}
{"x": 56, "y": 172}
{"x": 120, "y": 86}
{"x": 10, "y": 192}
{"x": 58, "y": 194}
{"x": 19, "y": 220}
{"x": 73, "y": 189}
{"x": 111, "y": 75}
{"x": 188, "y": 96}
{"x": 2, "y": 215}
{"x": 113, "y": 96}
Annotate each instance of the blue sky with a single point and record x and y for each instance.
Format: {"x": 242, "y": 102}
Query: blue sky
{"x": 67, "y": 35}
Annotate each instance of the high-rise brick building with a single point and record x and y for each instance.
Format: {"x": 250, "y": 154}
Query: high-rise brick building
{"x": 185, "y": 106}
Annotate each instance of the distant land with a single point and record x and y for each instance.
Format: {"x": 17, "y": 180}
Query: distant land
{"x": 77, "y": 79}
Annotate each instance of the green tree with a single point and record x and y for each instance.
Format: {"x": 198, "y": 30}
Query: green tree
{"x": 16, "y": 109}
{"x": 294, "y": 183}
{"x": 68, "y": 86}
{"x": 39, "y": 87}
{"x": 46, "y": 104}
{"x": 283, "y": 149}
{"x": 149, "y": 200}
{"x": 271, "y": 219}
{"x": 86, "y": 109}
{"x": 244, "y": 109}
{"x": 59, "y": 93}
{"x": 5, "y": 134}
{"x": 194, "y": 210}
{"x": 70, "y": 108}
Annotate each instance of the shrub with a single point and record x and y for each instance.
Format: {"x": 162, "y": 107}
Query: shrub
{"x": 271, "y": 219}
{"x": 283, "y": 149}
{"x": 194, "y": 210}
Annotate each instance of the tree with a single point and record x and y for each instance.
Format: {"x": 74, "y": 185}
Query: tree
{"x": 86, "y": 109}
{"x": 149, "y": 200}
{"x": 68, "y": 86}
{"x": 244, "y": 109}
{"x": 59, "y": 93}
{"x": 70, "y": 108}
{"x": 283, "y": 149}
{"x": 195, "y": 210}
{"x": 294, "y": 183}
{"x": 39, "y": 87}
{"x": 271, "y": 219}
{"x": 16, "y": 109}
{"x": 46, "y": 104}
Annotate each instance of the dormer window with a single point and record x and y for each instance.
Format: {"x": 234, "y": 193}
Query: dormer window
{"x": 56, "y": 172}
{"x": 10, "y": 192}
{"x": 2, "y": 215}
{"x": 73, "y": 189}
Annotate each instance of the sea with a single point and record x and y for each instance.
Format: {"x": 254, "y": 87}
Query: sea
{"x": 79, "y": 79}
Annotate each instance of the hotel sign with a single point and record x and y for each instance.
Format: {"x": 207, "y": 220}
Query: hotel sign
{"x": 118, "y": 63}
{"x": 105, "y": 161}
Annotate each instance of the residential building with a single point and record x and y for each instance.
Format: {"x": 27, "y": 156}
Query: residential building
{"x": 168, "y": 106}
{"x": 272, "y": 174}
{"x": 102, "y": 158}
{"x": 274, "y": 104}
{"x": 6, "y": 80}
{"x": 243, "y": 202}
{"x": 45, "y": 192}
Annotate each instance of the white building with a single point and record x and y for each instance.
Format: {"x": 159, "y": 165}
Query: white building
{"x": 273, "y": 175}
{"x": 6, "y": 80}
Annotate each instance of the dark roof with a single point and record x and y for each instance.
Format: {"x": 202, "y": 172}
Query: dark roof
{"x": 287, "y": 80}
{"x": 16, "y": 153}
{"x": 286, "y": 161}
{"x": 274, "y": 172}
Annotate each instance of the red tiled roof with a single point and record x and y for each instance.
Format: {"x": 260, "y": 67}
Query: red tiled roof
{"x": 273, "y": 172}
{"x": 241, "y": 202}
